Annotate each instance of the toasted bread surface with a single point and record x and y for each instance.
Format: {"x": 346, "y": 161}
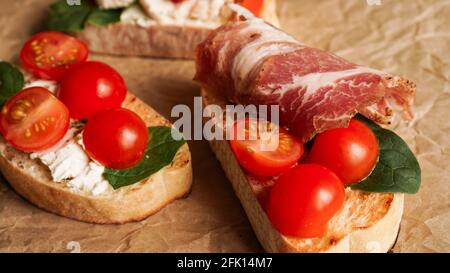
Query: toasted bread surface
{"x": 158, "y": 40}
{"x": 368, "y": 222}
{"x": 33, "y": 181}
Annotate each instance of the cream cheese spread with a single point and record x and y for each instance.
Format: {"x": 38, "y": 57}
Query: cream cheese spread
{"x": 70, "y": 164}
{"x": 67, "y": 161}
{"x": 205, "y": 13}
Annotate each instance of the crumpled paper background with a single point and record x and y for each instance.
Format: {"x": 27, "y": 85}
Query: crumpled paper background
{"x": 407, "y": 38}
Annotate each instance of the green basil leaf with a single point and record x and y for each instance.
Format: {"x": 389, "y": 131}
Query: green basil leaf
{"x": 11, "y": 81}
{"x": 160, "y": 152}
{"x": 100, "y": 17}
{"x": 68, "y": 16}
{"x": 397, "y": 169}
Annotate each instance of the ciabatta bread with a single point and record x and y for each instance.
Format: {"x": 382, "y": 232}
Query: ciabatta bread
{"x": 33, "y": 181}
{"x": 368, "y": 222}
{"x": 158, "y": 40}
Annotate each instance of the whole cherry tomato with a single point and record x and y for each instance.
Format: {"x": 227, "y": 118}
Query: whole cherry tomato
{"x": 116, "y": 138}
{"x": 91, "y": 87}
{"x": 304, "y": 199}
{"x": 350, "y": 152}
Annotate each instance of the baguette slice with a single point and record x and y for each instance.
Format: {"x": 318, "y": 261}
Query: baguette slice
{"x": 368, "y": 222}
{"x": 166, "y": 41}
{"x": 33, "y": 181}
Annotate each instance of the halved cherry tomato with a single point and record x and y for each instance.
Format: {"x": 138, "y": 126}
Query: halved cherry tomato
{"x": 350, "y": 152}
{"x": 91, "y": 87}
{"x": 49, "y": 55}
{"x": 255, "y": 6}
{"x": 304, "y": 199}
{"x": 34, "y": 120}
{"x": 261, "y": 155}
{"x": 116, "y": 138}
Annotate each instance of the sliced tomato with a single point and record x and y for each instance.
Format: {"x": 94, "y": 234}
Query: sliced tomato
{"x": 34, "y": 120}
{"x": 350, "y": 152}
{"x": 263, "y": 148}
{"x": 255, "y": 6}
{"x": 304, "y": 199}
{"x": 49, "y": 55}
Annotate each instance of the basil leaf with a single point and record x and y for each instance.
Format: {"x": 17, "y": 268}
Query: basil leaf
{"x": 397, "y": 169}
{"x": 11, "y": 81}
{"x": 101, "y": 17}
{"x": 73, "y": 15}
{"x": 68, "y": 16}
{"x": 160, "y": 152}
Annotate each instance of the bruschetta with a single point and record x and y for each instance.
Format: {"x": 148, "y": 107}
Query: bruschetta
{"x": 75, "y": 142}
{"x": 336, "y": 180}
{"x": 155, "y": 28}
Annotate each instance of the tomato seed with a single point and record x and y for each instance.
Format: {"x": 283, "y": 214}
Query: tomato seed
{"x": 28, "y": 133}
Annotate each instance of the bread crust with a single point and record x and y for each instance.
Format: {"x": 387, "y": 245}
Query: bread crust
{"x": 33, "y": 181}
{"x": 164, "y": 41}
{"x": 368, "y": 222}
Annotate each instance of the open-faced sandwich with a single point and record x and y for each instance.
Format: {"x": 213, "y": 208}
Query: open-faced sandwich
{"x": 156, "y": 28}
{"x": 335, "y": 181}
{"x": 74, "y": 142}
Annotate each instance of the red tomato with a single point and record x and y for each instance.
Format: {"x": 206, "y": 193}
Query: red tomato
{"x": 350, "y": 152}
{"x": 34, "y": 120}
{"x": 255, "y": 6}
{"x": 91, "y": 87}
{"x": 304, "y": 199}
{"x": 265, "y": 162}
{"x": 116, "y": 138}
{"x": 49, "y": 55}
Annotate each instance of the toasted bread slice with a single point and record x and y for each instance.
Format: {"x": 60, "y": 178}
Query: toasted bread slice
{"x": 33, "y": 181}
{"x": 166, "y": 41}
{"x": 368, "y": 222}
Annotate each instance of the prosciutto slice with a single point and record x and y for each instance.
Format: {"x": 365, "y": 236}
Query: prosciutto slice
{"x": 252, "y": 62}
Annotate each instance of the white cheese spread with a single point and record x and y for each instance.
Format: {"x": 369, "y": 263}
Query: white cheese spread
{"x": 135, "y": 15}
{"x": 50, "y": 85}
{"x": 205, "y": 13}
{"x": 70, "y": 164}
{"x": 113, "y": 4}
{"x": 67, "y": 160}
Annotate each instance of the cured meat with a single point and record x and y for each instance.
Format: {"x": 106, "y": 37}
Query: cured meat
{"x": 252, "y": 62}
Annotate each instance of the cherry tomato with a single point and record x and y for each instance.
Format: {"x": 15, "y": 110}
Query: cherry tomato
{"x": 255, "y": 6}
{"x": 91, "y": 87}
{"x": 116, "y": 138}
{"x": 260, "y": 155}
{"x": 304, "y": 199}
{"x": 350, "y": 152}
{"x": 34, "y": 120}
{"x": 49, "y": 55}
